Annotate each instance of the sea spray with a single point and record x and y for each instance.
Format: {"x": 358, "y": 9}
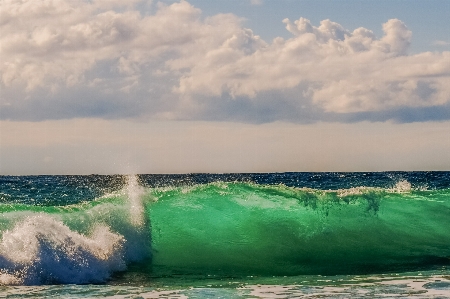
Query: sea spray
{"x": 83, "y": 243}
{"x": 137, "y": 232}
{"x": 41, "y": 249}
{"x": 135, "y": 193}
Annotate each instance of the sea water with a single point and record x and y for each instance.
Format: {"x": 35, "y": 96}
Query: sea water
{"x": 274, "y": 235}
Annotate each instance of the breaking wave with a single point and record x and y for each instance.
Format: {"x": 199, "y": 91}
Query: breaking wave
{"x": 231, "y": 228}
{"x": 82, "y": 243}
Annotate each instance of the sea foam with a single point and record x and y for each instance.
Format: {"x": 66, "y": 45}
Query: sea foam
{"x": 43, "y": 248}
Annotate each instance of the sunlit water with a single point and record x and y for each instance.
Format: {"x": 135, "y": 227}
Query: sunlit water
{"x": 291, "y": 235}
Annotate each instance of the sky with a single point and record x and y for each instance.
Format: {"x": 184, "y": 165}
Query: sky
{"x": 113, "y": 86}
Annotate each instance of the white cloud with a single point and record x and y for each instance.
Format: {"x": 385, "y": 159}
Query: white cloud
{"x": 48, "y": 41}
{"x": 441, "y": 43}
{"x": 256, "y": 2}
{"x": 347, "y": 71}
{"x": 63, "y": 59}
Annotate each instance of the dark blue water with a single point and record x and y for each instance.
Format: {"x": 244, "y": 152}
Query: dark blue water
{"x": 63, "y": 190}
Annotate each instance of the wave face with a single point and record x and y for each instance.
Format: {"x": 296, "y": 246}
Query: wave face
{"x": 85, "y": 229}
{"x": 279, "y": 230}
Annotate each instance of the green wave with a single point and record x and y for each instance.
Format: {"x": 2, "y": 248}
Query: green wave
{"x": 251, "y": 229}
{"x": 278, "y": 230}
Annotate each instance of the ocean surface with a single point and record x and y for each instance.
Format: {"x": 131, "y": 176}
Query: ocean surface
{"x": 274, "y": 235}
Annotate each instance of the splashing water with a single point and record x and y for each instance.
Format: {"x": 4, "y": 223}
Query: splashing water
{"x": 41, "y": 249}
{"x": 60, "y": 245}
{"x": 221, "y": 228}
{"x": 402, "y": 186}
{"x": 135, "y": 193}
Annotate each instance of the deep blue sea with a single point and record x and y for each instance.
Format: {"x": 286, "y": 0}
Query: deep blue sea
{"x": 271, "y": 235}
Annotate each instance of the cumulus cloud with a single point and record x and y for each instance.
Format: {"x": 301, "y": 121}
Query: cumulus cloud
{"x": 58, "y": 41}
{"x": 122, "y": 59}
{"x": 345, "y": 71}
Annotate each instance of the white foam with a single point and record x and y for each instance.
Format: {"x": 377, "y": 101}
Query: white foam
{"x": 402, "y": 186}
{"x": 41, "y": 249}
{"x": 357, "y": 191}
{"x": 9, "y": 279}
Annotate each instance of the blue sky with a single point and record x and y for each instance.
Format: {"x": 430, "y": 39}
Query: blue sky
{"x": 428, "y": 20}
{"x": 205, "y": 72}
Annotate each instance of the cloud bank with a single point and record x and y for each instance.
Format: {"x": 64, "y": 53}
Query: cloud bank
{"x": 65, "y": 59}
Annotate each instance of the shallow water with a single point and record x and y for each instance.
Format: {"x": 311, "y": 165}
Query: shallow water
{"x": 425, "y": 284}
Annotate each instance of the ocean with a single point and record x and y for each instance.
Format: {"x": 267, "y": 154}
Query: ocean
{"x": 261, "y": 235}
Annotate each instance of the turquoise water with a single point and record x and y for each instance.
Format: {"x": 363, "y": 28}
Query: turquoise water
{"x": 229, "y": 236}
